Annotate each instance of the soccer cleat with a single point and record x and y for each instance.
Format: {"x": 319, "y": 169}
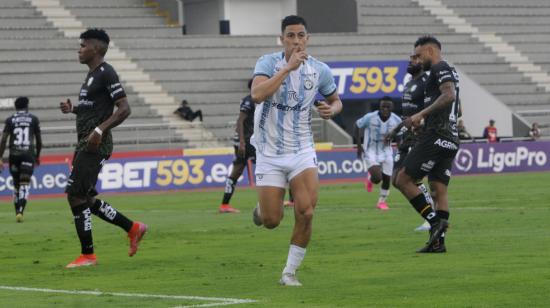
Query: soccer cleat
{"x": 256, "y": 218}
{"x": 288, "y": 279}
{"x": 437, "y": 247}
{"x": 288, "y": 203}
{"x": 437, "y": 229}
{"x": 19, "y": 217}
{"x": 382, "y": 205}
{"x": 83, "y": 260}
{"x": 135, "y": 235}
{"x": 423, "y": 227}
{"x": 226, "y": 208}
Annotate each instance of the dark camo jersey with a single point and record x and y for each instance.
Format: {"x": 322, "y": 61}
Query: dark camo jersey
{"x": 247, "y": 106}
{"x": 412, "y": 102}
{"x": 443, "y": 122}
{"x": 22, "y": 127}
{"x": 96, "y": 101}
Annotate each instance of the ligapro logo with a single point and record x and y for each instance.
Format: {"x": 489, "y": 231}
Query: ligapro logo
{"x": 464, "y": 160}
{"x": 498, "y": 161}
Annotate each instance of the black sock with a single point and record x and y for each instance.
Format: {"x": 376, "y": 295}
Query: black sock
{"x": 108, "y": 213}
{"x": 229, "y": 189}
{"x": 83, "y": 223}
{"x": 424, "y": 208}
{"x": 443, "y": 215}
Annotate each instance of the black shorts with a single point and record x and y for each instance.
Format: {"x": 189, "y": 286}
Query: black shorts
{"x": 432, "y": 155}
{"x": 21, "y": 165}
{"x": 250, "y": 154}
{"x": 399, "y": 159}
{"x": 84, "y": 173}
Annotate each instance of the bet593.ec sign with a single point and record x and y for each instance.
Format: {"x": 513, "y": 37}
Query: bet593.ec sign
{"x": 369, "y": 79}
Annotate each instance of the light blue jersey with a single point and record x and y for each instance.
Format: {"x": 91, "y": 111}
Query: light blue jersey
{"x": 375, "y": 130}
{"x": 282, "y": 123}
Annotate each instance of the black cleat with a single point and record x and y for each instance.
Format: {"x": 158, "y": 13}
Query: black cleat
{"x": 437, "y": 229}
{"x": 435, "y": 248}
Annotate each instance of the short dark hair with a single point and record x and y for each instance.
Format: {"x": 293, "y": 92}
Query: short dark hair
{"x": 386, "y": 98}
{"x": 21, "y": 103}
{"x": 427, "y": 39}
{"x": 95, "y": 33}
{"x": 100, "y": 36}
{"x": 292, "y": 20}
{"x": 250, "y": 83}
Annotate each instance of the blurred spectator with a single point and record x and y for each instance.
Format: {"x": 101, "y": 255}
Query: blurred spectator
{"x": 185, "y": 112}
{"x": 534, "y": 133}
{"x": 490, "y": 132}
{"x": 463, "y": 134}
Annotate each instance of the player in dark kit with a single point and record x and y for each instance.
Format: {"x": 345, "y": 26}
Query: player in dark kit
{"x": 100, "y": 92}
{"x": 437, "y": 144}
{"x": 22, "y": 128}
{"x": 244, "y": 151}
{"x": 412, "y": 102}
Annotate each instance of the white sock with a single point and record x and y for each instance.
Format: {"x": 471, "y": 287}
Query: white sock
{"x": 427, "y": 195}
{"x": 384, "y": 193}
{"x": 295, "y": 256}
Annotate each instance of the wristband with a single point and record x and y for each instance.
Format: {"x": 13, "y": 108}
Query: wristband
{"x": 99, "y": 131}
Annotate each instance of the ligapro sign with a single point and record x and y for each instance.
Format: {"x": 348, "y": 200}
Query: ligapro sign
{"x": 502, "y": 157}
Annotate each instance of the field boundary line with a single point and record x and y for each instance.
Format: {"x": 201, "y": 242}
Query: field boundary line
{"x": 219, "y": 301}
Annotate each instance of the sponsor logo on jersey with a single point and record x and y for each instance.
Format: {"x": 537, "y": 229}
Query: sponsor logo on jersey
{"x": 446, "y": 144}
{"x": 308, "y": 84}
{"x": 90, "y": 81}
{"x": 427, "y": 166}
{"x": 413, "y": 88}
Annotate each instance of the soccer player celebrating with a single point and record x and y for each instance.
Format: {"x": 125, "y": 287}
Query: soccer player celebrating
{"x": 22, "y": 128}
{"x": 437, "y": 144}
{"x": 285, "y": 85}
{"x": 244, "y": 151}
{"x": 100, "y": 92}
{"x": 377, "y": 152}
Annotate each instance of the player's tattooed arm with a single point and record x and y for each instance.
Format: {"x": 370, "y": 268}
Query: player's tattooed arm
{"x": 447, "y": 97}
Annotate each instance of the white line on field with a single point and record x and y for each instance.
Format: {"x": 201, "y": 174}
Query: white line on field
{"x": 219, "y": 301}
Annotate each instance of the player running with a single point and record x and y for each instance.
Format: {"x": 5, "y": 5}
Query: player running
{"x": 285, "y": 85}
{"x": 244, "y": 151}
{"x": 377, "y": 153}
{"x": 100, "y": 92}
{"x": 22, "y": 128}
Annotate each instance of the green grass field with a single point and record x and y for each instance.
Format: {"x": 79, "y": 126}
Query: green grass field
{"x": 498, "y": 251}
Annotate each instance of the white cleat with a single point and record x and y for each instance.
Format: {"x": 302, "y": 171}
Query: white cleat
{"x": 288, "y": 279}
{"x": 256, "y": 215}
{"x": 423, "y": 227}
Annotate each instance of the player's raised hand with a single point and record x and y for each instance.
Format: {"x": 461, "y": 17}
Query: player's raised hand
{"x": 66, "y": 107}
{"x": 324, "y": 110}
{"x": 297, "y": 57}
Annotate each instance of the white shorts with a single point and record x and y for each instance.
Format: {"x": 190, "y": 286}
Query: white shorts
{"x": 384, "y": 159}
{"x": 278, "y": 171}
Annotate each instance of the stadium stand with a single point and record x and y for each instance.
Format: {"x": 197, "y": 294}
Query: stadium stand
{"x": 210, "y": 71}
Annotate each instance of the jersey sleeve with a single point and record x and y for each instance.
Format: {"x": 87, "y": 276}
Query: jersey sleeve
{"x": 443, "y": 73}
{"x": 246, "y": 105}
{"x": 36, "y": 125}
{"x": 327, "y": 86}
{"x": 264, "y": 66}
{"x": 8, "y": 126}
{"x": 114, "y": 87}
{"x": 362, "y": 122}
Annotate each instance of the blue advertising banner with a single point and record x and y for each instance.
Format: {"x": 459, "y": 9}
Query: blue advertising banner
{"x": 369, "y": 79}
{"x": 143, "y": 171}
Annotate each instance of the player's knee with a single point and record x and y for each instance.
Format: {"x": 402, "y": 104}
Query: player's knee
{"x": 305, "y": 214}
{"x": 375, "y": 179}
